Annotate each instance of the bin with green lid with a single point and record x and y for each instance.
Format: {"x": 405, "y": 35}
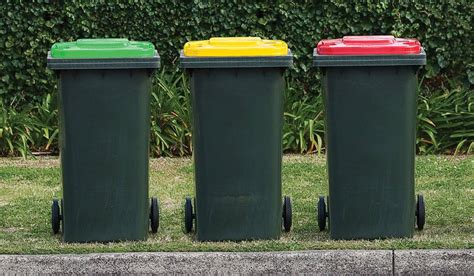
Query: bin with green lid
{"x": 370, "y": 99}
{"x": 104, "y": 101}
{"x": 237, "y": 96}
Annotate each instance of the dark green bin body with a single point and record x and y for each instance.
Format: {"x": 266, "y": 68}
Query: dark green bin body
{"x": 237, "y": 132}
{"x": 370, "y": 113}
{"x": 104, "y": 142}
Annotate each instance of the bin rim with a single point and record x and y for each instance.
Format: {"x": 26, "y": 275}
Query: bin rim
{"x": 102, "y": 48}
{"x": 369, "y": 45}
{"x": 368, "y": 60}
{"x": 235, "y": 47}
{"x": 103, "y": 63}
{"x": 282, "y": 61}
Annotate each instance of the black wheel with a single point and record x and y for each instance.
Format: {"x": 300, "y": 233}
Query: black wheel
{"x": 322, "y": 213}
{"x": 154, "y": 215}
{"x": 55, "y": 216}
{"x": 287, "y": 214}
{"x": 61, "y": 209}
{"x": 420, "y": 212}
{"x": 188, "y": 215}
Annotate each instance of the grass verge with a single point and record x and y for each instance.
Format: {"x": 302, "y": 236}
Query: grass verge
{"x": 27, "y": 187}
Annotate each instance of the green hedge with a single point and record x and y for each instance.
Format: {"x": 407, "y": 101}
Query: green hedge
{"x": 29, "y": 28}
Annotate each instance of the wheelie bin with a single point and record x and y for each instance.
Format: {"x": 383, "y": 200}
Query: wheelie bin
{"x": 370, "y": 99}
{"x": 104, "y": 105}
{"x": 237, "y": 97}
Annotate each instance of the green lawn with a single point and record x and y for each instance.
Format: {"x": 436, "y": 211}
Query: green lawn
{"x": 27, "y": 187}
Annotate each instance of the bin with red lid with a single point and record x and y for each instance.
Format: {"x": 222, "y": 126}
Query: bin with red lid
{"x": 370, "y": 101}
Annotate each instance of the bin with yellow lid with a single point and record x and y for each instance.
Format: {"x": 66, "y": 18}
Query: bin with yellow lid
{"x": 237, "y": 96}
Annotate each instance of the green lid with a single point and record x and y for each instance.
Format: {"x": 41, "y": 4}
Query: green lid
{"x": 103, "y": 48}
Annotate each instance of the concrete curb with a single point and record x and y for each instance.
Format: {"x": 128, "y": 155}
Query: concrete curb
{"x": 434, "y": 262}
{"x": 317, "y": 262}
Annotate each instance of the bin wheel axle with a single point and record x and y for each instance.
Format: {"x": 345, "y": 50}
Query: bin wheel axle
{"x": 322, "y": 213}
{"x": 420, "y": 212}
{"x": 287, "y": 214}
{"x": 154, "y": 215}
{"x": 56, "y": 216}
{"x": 189, "y": 215}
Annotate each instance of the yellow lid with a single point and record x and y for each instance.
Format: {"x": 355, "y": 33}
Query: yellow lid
{"x": 235, "y": 47}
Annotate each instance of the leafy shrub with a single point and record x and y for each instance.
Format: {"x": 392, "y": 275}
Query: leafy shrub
{"x": 34, "y": 128}
{"x": 303, "y": 128}
{"x": 171, "y": 116}
{"x": 445, "y": 121}
{"x": 15, "y": 130}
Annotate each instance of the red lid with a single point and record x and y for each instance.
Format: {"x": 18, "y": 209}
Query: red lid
{"x": 369, "y": 45}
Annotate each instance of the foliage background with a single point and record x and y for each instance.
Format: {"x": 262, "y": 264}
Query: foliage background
{"x": 29, "y": 28}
